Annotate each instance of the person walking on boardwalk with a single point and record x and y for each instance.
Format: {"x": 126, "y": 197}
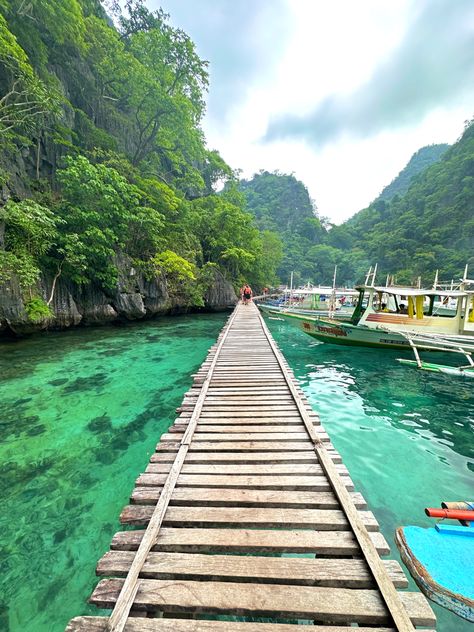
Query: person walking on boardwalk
{"x": 246, "y": 294}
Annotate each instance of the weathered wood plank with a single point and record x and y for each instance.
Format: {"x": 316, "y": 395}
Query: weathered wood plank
{"x": 245, "y": 517}
{"x": 247, "y": 424}
{"x": 350, "y": 573}
{"x": 216, "y": 456}
{"x": 251, "y": 413}
{"x": 338, "y": 605}
{"x": 242, "y": 457}
{"x": 243, "y": 436}
{"x": 225, "y": 425}
{"x": 262, "y": 481}
{"x": 251, "y": 541}
{"x": 208, "y": 411}
{"x": 261, "y": 398}
{"x": 239, "y": 446}
{"x": 218, "y": 497}
{"x": 290, "y": 469}
{"x": 99, "y": 624}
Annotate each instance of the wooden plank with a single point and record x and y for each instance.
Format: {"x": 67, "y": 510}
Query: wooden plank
{"x": 250, "y": 413}
{"x": 251, "y": 541}
{"x": 234, "y": 382}
{"x": 281, "y": 389}
{"x": 259, "y": 481}
{"x": 242, "y": 457}
{"x": 218, "y": 497}
{"x": 240, "y": 446}
{"x": 350, "y": 573}
{"x": 338, "y": 605}
{"x": 281, "y": 456}
{"x": 249, "y": 421}
{"x": 250, "y": 425}
{"x": 99, "y": 624}
{"x": 250, "y": 400}
{"x": 239, "y": 407}
{"x": 241, "y": 436}
{"x": 290, "y": 469}
{"x": 244, "y": 517}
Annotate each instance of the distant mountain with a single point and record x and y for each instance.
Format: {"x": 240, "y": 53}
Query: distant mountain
{"x": 430, "y": 227}
{"x": 422, "y": 221}
{"x": 280, "y": 203}
{"x": 422, "y": 159}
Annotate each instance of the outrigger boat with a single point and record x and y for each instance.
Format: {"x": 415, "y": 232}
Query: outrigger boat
{"x": 333, "y": 302}
{"x": 388, "y": 316}
{"x": 441, "y": 559}
{"x": 315, "y": 301}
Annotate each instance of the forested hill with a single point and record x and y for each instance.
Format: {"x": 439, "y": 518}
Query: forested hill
{"x": 281, "y": 204}
{"x": 420, "y": 160}
{"x": 429, "y": 227}
{"x": 107, "y": 188}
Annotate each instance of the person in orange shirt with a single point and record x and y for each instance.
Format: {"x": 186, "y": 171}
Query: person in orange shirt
{"x": 246, "y": 294}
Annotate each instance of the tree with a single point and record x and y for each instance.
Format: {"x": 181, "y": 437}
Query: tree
{"x": 24, "y": 97}
{"x": 30, "y": 230}
{"x": 107, "y": 214}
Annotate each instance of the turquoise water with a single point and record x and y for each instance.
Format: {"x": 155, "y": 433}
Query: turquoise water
{"x": 407, "y": 436}
{"x": 81, "y": 412}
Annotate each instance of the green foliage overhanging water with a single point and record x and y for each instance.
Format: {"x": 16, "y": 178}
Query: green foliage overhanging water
{"x": 102, "y": 157}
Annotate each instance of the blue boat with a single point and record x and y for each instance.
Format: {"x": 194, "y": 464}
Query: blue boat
{"x": 441, "y": 561}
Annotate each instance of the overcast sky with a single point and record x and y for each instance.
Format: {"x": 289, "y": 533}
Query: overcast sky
{"x": 339, "y": 92}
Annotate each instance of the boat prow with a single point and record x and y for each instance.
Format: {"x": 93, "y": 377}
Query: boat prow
{"x": 441, "y": 560}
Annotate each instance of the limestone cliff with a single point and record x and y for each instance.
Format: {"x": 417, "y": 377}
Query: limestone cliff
{"x": 134, "y": 298}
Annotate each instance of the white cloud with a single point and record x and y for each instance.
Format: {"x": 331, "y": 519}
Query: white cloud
{"x": 287, "y": 58}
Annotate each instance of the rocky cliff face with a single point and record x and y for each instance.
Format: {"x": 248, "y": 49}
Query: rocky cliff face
{"x": 134, "y": 298}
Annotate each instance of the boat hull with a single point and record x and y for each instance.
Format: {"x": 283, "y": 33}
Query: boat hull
{"x": 340, "y": 315}
{"x": 441, "y": 564}
{"x": 343, "y": 333}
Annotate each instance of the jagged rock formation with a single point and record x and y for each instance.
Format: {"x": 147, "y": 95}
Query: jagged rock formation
{"x": 134, "y": 298}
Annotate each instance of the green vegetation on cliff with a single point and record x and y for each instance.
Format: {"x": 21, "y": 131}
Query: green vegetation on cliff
{"x": 430, "y": 227}
{"x": 281, "y": 204}
{"x": 421, "y": 160}
{"x": 102, "y": 155}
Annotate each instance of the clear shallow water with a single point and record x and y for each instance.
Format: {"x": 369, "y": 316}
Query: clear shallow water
{"x": 80, "y": 413}
{"x": 406, "y": 436}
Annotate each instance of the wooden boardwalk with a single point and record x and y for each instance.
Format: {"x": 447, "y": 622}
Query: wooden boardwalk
{"x": 249, "y": 514}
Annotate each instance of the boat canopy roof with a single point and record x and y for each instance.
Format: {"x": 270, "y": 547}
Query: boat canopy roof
{"x": 324, "y": 290}
{"x": 413, "y": 291}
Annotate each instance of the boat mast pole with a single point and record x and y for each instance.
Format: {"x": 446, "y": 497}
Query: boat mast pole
{"x": 373, "y": 274}
{"x": 332, "y": 302}
{"x": 368, "y": 275}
